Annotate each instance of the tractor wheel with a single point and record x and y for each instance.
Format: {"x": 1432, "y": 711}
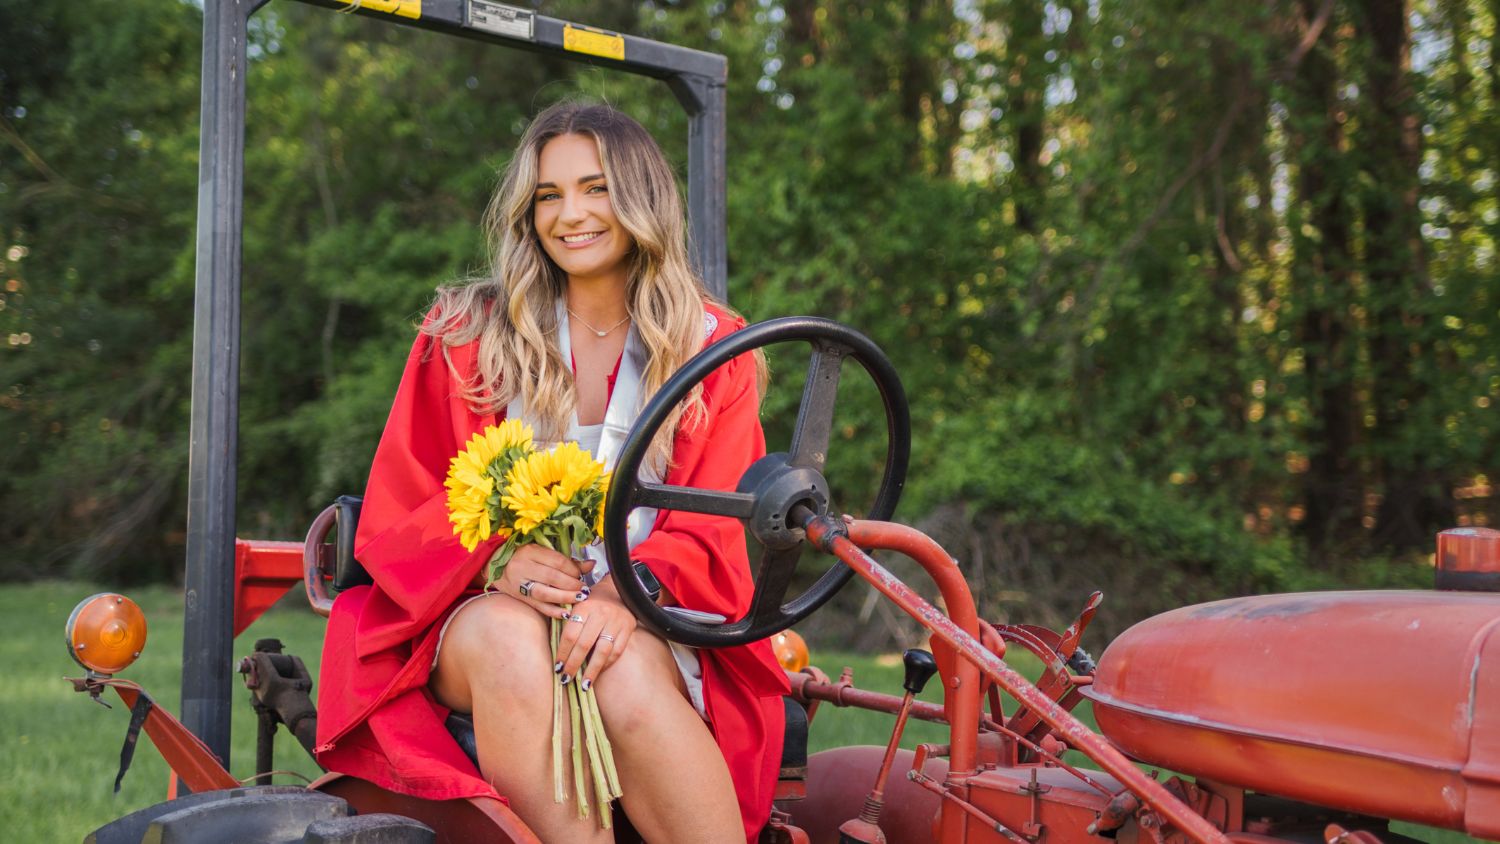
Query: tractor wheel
{"x": 131, "y": 828}
{"x": 370, "y": 829}
{"x": 254, "y": 817}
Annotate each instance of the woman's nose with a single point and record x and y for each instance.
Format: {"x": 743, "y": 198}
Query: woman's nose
{"x": 572, "y": 209}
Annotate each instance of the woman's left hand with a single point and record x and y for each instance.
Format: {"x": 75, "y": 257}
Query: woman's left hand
{"x": 599, "y": 629}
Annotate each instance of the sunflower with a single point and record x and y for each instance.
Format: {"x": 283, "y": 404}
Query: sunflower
{"x": 474, "y": 475}
{"x": 541, "y": 483}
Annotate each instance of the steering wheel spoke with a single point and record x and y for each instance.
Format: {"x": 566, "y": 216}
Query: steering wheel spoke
{"x": 712, "y": 502}
{"x": 777, "y": 565}
{"x": 815, "y": 416}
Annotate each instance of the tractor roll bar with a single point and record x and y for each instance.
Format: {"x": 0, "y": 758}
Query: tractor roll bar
{"x": 696, "y": 78}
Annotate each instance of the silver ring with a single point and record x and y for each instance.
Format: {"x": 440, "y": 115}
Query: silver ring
{"x": 576, "y": 617}
{"x": 525, "y": 588}
{"x": 605, "y": 637}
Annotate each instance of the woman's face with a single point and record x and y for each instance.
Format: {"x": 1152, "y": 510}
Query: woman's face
{"x": 572, "y": 214}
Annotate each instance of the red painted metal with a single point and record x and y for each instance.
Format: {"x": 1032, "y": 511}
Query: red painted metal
{"x": 838, "y": 780}
{"x": 187, "y": 756}
{"x": 1468, "y": 558}
{"x": 264, "y": 571}
{"x": 465, "y": 821}
{"x": 962, "y": 694}
{"x": 1386, "y": 703}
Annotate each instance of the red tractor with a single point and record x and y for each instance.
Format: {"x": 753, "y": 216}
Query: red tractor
{"x": 1284, "y": 717}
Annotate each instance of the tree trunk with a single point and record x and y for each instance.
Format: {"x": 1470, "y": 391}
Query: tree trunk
{"x": 1415, "y": 501}
{"x": 1323, "y": 276}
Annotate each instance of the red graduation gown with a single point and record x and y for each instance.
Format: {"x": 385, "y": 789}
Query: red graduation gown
{"x": 376, "y": 718}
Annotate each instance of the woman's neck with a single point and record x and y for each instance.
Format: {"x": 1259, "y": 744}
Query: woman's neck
{"x": 601, "y": 301}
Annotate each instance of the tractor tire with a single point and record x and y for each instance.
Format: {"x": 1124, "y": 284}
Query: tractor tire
{"x": 370, "y": 829}
{"x": 255, "y": 818}
{"x": 131, "y": 828}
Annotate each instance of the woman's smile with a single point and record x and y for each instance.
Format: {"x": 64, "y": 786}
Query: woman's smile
{"x": 581, "y": 240}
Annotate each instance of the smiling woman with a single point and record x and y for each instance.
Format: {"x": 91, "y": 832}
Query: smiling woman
{"x": 590, "y": 306}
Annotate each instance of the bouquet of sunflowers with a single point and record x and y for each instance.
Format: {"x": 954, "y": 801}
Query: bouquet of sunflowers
{"x": 500, "y": 484}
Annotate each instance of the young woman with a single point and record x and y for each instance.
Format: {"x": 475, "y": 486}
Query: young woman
{"x": 590, "y": 306}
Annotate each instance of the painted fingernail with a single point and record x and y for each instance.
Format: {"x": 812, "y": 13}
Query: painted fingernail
{"x": 582, "y": 595}
{"x": 566, "y": 679}
{"x": 557, "y": 668}
{"x": 586, "y": 684}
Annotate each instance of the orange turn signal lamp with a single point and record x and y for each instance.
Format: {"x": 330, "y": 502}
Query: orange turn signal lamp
{"x": 790, "y": 650}
{"x": 106, "y": 633}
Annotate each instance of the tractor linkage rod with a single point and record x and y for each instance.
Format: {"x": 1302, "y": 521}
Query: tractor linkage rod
{"x": 844, "y": 538}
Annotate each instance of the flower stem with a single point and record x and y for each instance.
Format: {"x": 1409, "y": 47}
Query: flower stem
{"x": 580, "y": 784}
{"x": 559, "y": 792}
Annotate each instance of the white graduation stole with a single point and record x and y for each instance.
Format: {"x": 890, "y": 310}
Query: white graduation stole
{"x": 625, "y": 404}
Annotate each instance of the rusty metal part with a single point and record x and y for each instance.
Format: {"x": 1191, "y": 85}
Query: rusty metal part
{"x": 1116, "y": 812}
{"x": 959, "y": 634}
{"x": 948, "y": 795}
{"x": 1383, "y": 703}
{"x": 280, "y": 692}
{"x": 807, "y": 690}
{"x": 1068, "y": 641}
{"x": 187, "y": 756}
{"x": 317, "y": 562}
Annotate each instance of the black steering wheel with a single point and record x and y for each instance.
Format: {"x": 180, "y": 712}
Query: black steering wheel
{"x": 769, "y": 490}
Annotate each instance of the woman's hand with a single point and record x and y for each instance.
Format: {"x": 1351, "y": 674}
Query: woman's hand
{"x": 599, "y": 629}
{"x": 543, "y": 579}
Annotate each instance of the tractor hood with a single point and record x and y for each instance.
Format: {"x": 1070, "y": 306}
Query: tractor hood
{"x": 1386, "y": 703}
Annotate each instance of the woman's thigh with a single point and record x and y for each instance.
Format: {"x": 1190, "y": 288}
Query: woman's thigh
{"x": 492, "y": 646}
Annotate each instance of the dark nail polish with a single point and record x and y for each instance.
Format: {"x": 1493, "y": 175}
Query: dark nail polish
{"x": 586, "y": 684}
{"x": 583, "y": 595}
{"x": 566, "y": 679}
{"x": 556, "y": 667}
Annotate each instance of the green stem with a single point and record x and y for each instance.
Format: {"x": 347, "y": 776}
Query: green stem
{"x": 559, "y": 792}
{"x": 580, "y": 784}
{"x": 606, "y": 749}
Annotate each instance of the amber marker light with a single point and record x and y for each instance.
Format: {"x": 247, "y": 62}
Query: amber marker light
{"x": 791, "y": 650}
{"x": 106, "y": 633}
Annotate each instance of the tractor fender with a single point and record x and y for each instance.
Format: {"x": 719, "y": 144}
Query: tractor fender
{"x": 839, "y": 780}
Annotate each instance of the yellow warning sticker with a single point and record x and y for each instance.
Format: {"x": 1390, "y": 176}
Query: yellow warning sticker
{"x": 595, "y": 42}
{"x": 402, "y": 8}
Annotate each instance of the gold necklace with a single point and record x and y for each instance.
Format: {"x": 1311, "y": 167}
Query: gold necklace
{"x": 597, "y": 332}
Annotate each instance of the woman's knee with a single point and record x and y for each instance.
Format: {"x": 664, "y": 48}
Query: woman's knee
{"x": 632, "y": 690}
{"x": 494, "y": 648}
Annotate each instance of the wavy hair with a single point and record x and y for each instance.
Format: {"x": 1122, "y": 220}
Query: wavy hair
{"x": 512, "y": 311}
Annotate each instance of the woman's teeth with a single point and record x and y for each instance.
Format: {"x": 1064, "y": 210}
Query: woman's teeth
{"x": 580, "y": 238}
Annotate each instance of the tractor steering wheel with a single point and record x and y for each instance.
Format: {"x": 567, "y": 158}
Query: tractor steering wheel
{"x": 769, "y": 489}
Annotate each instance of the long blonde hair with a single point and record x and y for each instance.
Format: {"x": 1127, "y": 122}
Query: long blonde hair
{"x": 512, "y": 312}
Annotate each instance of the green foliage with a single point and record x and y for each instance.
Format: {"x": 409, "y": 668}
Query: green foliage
{"x": 1179, "y": 308}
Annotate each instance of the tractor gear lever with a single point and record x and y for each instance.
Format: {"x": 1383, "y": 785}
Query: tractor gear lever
{"x": 865, "y": 829}
{"x": 920, "y": 666}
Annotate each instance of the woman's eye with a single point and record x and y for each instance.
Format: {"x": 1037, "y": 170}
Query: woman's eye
{"x": 545, "y": 197}
{"x": 598, "y": 189}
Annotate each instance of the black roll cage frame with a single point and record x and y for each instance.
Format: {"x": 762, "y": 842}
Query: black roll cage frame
{"x": 696, "y": 78}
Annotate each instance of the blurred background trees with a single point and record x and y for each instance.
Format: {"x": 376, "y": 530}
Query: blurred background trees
{"x": 1190, "y": 298}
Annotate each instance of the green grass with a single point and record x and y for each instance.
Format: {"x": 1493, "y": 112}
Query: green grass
{"x": 58, "y": 766}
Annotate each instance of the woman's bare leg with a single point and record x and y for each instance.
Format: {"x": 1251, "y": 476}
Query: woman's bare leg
{"x": 677, "y": 787}
{"x": 496, "y": 662}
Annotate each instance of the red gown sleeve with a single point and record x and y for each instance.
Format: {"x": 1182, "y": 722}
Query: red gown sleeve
{"x": 405, "y": 540}
{"x": 701, "y": 559}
